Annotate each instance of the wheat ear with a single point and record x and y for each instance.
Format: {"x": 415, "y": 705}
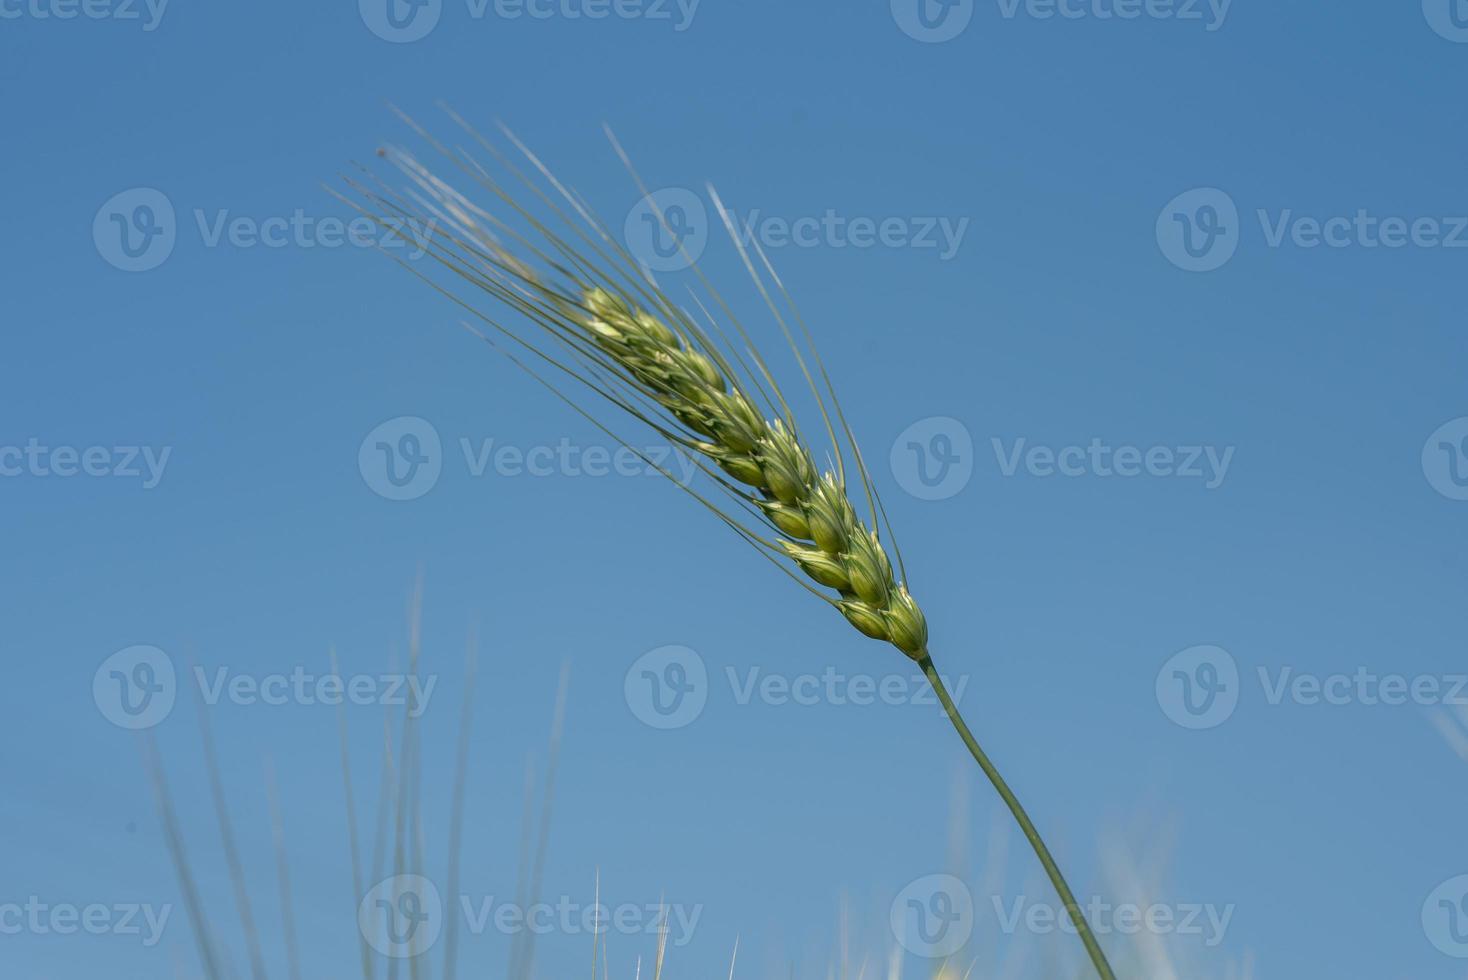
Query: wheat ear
{"x": 612, "y": 330}
{"x": 817, "y": 526}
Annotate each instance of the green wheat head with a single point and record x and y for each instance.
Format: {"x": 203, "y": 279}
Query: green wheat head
{"x": 605, "y": 323}
{"x": 810, "y": 511}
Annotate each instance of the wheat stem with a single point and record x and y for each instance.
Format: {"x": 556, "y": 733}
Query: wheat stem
{"x": 1052, "y": 870}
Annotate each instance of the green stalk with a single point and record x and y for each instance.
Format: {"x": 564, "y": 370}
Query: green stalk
{"x": 1093, "y": 948}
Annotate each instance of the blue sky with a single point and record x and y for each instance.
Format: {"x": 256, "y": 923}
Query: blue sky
{"x": 1219, "y": 248}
